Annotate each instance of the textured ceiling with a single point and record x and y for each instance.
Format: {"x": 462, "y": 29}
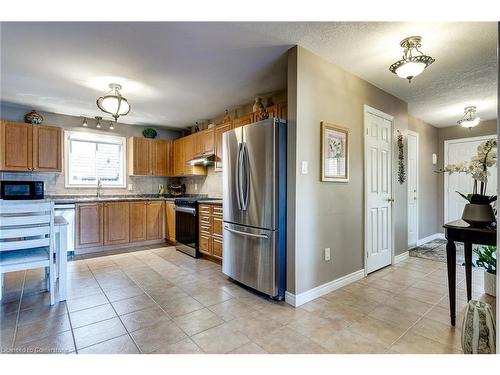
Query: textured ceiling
{"x": 177, "y": 73}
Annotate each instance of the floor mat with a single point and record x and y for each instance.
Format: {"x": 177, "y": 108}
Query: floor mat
{"x": 436, "y": 250}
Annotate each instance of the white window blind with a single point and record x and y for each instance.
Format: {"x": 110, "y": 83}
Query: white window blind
{"x": 91, "y": 157}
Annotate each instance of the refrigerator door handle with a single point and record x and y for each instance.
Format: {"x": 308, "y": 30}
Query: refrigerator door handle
{"x": 264, "y": 236}
{"x": 237, "y": 176}
{"x": 246, "y": 177}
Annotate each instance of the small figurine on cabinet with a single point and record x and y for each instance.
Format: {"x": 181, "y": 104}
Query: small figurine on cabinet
{"x": 33, "y": 118}
{"x": 226, "y": 118}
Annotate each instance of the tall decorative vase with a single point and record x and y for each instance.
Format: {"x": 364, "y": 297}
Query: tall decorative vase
{"x": 478, "y": 329}
{"x": 478, "y": 215}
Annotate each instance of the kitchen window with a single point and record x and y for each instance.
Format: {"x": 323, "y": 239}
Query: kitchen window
{"x": 91, "y": 157}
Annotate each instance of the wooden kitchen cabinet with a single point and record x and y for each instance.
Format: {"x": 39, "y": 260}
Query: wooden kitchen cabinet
{"x": 170, "y": 221}
{"x": 283, "y": 111}
{"x": 210, "y": 230}
{"x": 161, "y": 157}
{"x": 184, "y": 150}
{"x": 140, "y": 156}
{"x": 154, "y": 220}
{"x": 26, "y": 147}
{"x": 116, "y": 223}
{"x": 218, "y": 132}
{"x": 89, "y": 225}
{"x": 137, "y": 221}
{"x": 205, "y": 142}
{"x": 243, "y": 120}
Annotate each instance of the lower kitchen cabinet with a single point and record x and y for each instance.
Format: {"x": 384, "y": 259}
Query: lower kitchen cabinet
{"x": 170, "y": 221}
{"x": 89, "y": 225}
{"x": 210, "y": 230}
{"x": 116, "y": 223}
{"x": 137, "y": 221}
{"x": 154, "y": 220}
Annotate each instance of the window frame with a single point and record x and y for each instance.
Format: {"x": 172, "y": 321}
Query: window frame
{"x": 117, "y": 139}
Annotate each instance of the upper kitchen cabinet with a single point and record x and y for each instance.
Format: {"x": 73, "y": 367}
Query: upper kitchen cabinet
{"x": 184, "y": 149}
{"x": 243, "y": 120}
{"x": 219, "y": 131}
{"x": 26, "y": 147}
{"x": 149, "y": 157}
{"x": 205, "y": 142}
{"x": 282, "y": 111}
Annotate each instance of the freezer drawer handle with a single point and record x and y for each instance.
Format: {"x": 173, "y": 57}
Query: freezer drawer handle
{"x": 247, "y": 234}
{"x": 186, "y": 210}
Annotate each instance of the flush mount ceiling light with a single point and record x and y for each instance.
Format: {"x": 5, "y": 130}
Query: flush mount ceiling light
{"x": 413, "y": 62}
{"x": 469, "y": 119}
{"x": 113, "y": 102}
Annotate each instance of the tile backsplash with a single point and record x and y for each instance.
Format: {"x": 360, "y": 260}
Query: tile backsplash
{"x": 210, "y": 184}
{"x": 54, "y": 184}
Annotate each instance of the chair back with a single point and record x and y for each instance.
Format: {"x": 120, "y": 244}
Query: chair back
{"x": 26, "y": 225}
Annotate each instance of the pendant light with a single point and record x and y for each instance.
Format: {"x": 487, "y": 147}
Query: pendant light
{"x": 469, "y": 119}
{"x": 413, "y": 62}
{"x": 98, "y": 124}
{"x": 113, "y": 102}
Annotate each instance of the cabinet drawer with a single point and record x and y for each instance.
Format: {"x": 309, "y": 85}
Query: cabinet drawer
{"x": 217, "y": 210}
{"x": 205, "y": 229}
{"x": 204, "y": 209}
{"x": 205, "y": 245}
{"x": 217, "y": 247}
{"x": 204, "y": 220}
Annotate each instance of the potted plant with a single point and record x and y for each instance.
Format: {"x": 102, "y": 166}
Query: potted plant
{"x": 487, "y": 260}
{"x": 478, "y": 212}
{"x": 149, "y": 133}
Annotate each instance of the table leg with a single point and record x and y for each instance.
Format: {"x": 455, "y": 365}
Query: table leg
{"x": 451, "y": 255}
{"x": 468, "y": 269}
{"x": 63, "y": 261}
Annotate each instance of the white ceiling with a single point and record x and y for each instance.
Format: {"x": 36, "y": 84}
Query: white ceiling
{"x": 177, "y": 73}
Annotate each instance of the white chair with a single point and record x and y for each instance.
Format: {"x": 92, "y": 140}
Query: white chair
{"x": 27, "y": 239}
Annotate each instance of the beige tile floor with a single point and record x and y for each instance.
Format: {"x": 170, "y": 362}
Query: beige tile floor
{"x": 162, "y": 301}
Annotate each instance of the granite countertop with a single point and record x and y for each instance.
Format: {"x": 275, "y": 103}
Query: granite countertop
{"x": 212, "y": 201}
{"x": 69, "y": 199}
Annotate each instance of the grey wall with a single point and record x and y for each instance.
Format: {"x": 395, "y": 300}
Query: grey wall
{"x": 428, "y": 218}
{"x": 331, "y": 214}
{"x": 54, "y": 182}
{"x": 456, "y": 132}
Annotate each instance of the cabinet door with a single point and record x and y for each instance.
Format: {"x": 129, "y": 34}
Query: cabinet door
{"x": 219, "y": 130}
{"x": 138, "y": 224}
{"x": 170, "y": 220}
{"x": 243, "y": 120}
{"x": 47, "y": 150}
{"x": 170, "y": 158}
{"x": 116, "y": 223}
{"x": 178, "y": 157}
{"x": 154, "y": 220}
{"x": 283, "y": 111}
{"x": 140, "y": 155}
{"x": 207, "y": 141}
{"x": 160, "y": 157}
{"x": 217, "y": 247}
{"x": 89, "y": 225}
{"x": 16, "y": 146}
{"x": 273, "y": 111}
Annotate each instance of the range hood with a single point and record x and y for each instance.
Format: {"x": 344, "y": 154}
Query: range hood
{"x": 203, "y": 159}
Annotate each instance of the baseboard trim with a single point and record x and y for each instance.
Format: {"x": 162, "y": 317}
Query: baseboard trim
{"x": 399, "y": 258}
{"x": 432, "y": 237}
{"x": 299, "y": 299}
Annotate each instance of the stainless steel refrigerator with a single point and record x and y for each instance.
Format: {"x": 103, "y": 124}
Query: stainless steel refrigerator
{"x": 254, "y": 206}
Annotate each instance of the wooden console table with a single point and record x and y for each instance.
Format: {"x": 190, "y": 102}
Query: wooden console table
{"x": 460, "y": 231}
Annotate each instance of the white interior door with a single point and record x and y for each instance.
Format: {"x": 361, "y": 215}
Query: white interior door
{"x": 378, "y": 190}
{"x": 456, "y": 151}
{"x": 412, "y": 189}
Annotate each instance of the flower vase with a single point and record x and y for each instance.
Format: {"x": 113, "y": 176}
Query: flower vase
{"x": 478, "y": 215}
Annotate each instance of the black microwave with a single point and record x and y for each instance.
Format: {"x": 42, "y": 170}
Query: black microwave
{"x": 20, "y": 190}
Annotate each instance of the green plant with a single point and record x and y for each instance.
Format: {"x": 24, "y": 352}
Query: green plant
{"x": 149, "y": 133}
{"x": 487, "y": 258}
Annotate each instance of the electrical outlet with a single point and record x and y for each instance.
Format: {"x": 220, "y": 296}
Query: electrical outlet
{"x": 327, "y": 253}
{"x": 195, "y": 186}
{"x": 130, "y": 187}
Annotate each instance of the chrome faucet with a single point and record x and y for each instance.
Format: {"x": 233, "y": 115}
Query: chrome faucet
{"x": 99, "y": 188}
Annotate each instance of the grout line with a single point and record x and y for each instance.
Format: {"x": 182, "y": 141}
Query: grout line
{"x": 71, "y": 327}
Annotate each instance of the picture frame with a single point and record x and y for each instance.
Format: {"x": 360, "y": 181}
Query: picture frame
{"x": 334, "y": 153}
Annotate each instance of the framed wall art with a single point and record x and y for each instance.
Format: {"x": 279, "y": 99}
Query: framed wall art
{"x": 334, "y": 153}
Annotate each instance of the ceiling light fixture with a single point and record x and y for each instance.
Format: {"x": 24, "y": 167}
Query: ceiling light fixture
{"x": 85, "y": 123}
{"x": 469, "y": 119}
{"x": 111, "y": 126}
{"x": 98, "y": 124}
{"x": 113, "y": 102}
{"x": 413, "y": 62}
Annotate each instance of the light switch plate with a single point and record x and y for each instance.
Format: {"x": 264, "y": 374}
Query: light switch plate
{"x": 130, "y": 187}
{"x": 305, "y": 167}
{"x": 327, "y": 253}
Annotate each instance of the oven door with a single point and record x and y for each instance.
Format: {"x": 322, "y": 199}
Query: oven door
{"x": 186, "y": 230}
